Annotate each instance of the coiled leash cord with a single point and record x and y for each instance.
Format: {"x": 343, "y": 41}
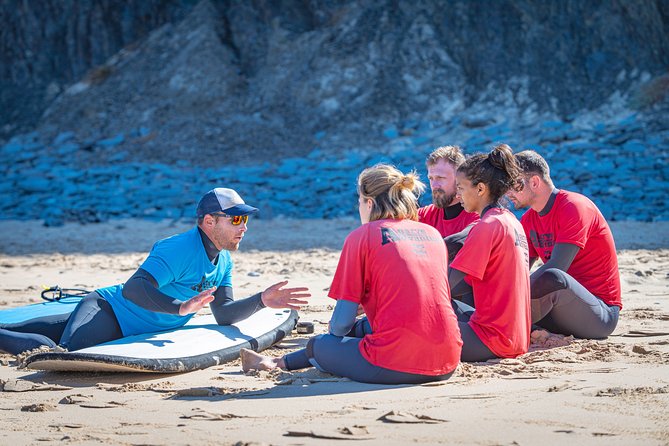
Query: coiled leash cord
{"x": 56, "y": 293}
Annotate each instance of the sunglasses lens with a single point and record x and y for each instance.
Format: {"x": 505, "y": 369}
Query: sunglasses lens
{"x": 238, "y": 219}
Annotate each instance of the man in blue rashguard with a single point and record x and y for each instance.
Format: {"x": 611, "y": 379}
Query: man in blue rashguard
{"x": 181, "y": 275}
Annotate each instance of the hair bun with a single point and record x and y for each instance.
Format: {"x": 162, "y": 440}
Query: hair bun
{"x": 407, "y": 182}
{"x": 499, "y": 155}
{"x": 495, "y": 159}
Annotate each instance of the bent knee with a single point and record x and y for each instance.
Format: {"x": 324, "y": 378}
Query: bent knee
{"x": 549, "y": 281}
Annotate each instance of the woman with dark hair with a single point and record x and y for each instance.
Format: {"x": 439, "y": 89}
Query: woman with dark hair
{"x": 493, "y": 261}
{"x": 395, "y": 268}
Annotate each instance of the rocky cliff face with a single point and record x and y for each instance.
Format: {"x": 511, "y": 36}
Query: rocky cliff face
{"x": 46, "y": 46}
{"x": 231, "y": 81}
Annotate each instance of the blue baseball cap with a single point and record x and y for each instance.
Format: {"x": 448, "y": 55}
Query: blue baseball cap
{"x": 223, "y": 200}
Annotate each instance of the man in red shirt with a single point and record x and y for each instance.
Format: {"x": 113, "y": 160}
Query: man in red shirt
{"x": 446, "y": 213}
{"x": 577, "y": 289}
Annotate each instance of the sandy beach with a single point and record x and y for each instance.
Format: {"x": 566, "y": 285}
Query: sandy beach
{"x": 564, "y": 391}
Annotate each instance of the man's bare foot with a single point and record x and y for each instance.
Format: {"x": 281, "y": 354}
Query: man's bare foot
{"x": 254, "y": 361}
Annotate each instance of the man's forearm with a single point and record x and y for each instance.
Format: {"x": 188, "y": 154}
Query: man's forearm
{"x": 142, "y": 290}
{"x": 228, "y": 311}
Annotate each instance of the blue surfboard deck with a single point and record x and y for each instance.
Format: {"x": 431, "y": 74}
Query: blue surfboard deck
{"x": 197, "y": 345}
{"x": 19, "y": 314}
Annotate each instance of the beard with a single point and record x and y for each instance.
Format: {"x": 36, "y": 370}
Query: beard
{"x": 226, "y": 244}
{"x": 441, "y": 199}
{"x": 231, "y": 246}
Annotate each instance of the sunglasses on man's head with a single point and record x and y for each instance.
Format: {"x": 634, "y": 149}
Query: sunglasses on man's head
{"x": 236, "y": 220}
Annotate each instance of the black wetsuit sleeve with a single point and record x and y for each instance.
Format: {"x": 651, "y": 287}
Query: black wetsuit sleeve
{"x": 561, "y": 257}
{"x": 455, "y": 242}
{"x": 456, "y": 281}
{"x": 227, "y": 311}
{"x": 142, "y": 290}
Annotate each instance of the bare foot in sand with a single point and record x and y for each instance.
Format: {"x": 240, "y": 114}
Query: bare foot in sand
{"x": 254, "y": 361}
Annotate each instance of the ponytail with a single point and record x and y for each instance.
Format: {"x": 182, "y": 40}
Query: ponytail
{"x": 394, "y": 194}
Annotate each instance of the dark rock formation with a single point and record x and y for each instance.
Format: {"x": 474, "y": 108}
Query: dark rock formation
{"x": 247, "y": 80}
{"x": 47, "y": 45}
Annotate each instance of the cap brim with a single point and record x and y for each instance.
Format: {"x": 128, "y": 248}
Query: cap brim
{"x": 240, "y": 209}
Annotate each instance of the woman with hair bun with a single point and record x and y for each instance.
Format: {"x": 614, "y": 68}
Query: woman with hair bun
{"x": 493, "y": 261}
{"x": 396, "y": 269}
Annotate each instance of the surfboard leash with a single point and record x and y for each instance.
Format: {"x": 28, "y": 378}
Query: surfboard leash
{"x": 57, "y": 293}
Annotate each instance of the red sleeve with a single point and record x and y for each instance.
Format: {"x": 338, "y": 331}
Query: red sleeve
{"x": 474, "y": 255}
{"x": 421, "y": 213}
{"x": 574, "y": 221}
{"x": 349, "y": 279}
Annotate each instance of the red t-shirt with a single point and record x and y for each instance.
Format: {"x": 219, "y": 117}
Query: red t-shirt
{"x": 434, "y": 217}
{"x": 397, "y": 270}
{"x": 574, "y": 219}
{"x": 495, "y": 261}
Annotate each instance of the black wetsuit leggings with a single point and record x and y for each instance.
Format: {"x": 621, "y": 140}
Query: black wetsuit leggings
{"x": 341, "y": 356}
{"x": 473, "y": 349}
{"x": 562, "y": 305}
{"x": 92, "y": 322}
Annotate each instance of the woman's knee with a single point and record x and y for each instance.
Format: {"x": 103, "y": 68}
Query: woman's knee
{"x": 473, "y": 349}
{"x": 360, "y": 328}
{"x": 462, "y": 310}
{"x": 334, "y": 354}
{"x": 310, "y": 351}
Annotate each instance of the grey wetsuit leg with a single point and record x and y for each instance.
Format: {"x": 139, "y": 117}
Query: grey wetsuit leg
{"x": 562, "y": 305}
{"x": 15, "y": 342}
{"x": 341, "y": 356}
{"x": 297, "y": 360}
{"x": 462, "y": 310}
{"x": 92, "y": 322}
{"x": 300, "y": 360}
{"x": 467, "y": 298}
{"x": 18, "y": 337}
{"x": 361, "y": 328}
{"x": 28, "y": 335}
{"x": 473, "y": 349}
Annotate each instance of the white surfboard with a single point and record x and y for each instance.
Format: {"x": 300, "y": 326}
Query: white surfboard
{"x": 197, "y": 345}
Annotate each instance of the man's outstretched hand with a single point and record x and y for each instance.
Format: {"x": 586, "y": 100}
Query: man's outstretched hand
{"x": 293, "y": 298}
{"x": 196, "y": 303}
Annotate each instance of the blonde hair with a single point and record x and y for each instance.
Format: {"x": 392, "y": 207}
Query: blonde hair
{"x": 393, "y": 194}
{"x": 450, "y": 154}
